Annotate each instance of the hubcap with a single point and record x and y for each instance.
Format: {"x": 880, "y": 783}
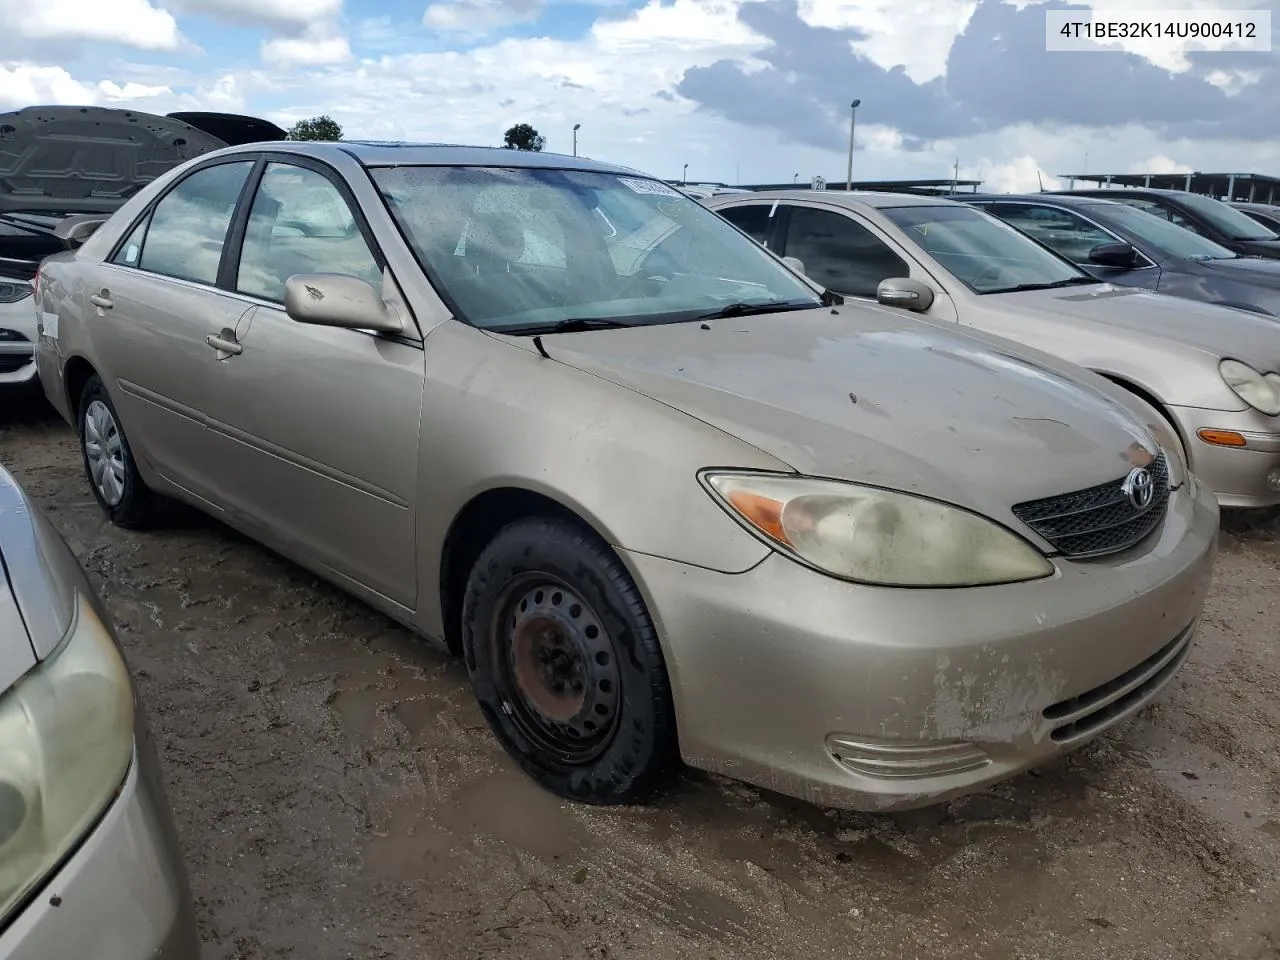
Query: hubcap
{"x": 104, "y": 451}
{"x": 561, "y": 670}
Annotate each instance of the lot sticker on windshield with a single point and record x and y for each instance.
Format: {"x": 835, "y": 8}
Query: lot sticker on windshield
{"x": 648, "y": 187}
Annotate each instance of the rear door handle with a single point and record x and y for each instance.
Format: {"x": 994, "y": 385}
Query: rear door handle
{"x": 100, "y": 301}
{"x": 223, "y": 344}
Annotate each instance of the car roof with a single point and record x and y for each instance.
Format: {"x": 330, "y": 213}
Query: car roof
{"x": 1128, "y": 191}
{"x": 1061, "y": 199}
{"x": 1267, "y": 208}
{"x": 865, "y": 198}
{"x": 375, "y": 153}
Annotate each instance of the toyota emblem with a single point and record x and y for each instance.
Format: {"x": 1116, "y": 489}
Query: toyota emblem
{"x": 1139, "y": 487}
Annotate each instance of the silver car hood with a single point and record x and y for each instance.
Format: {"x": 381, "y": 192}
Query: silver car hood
{"x": 88, "y": 159}
{"x": 866, "y": 394}
{"x": 1213, "y": 329}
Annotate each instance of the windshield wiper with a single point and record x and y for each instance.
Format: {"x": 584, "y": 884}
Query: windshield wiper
{"x": 749, "y": 308}
{"x": 1069, "y": 282}
{"x": 570, "y": 325}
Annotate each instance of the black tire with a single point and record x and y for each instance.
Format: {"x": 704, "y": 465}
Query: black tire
{"x": 135, "y": 506}
{"x": 584, "y": 612}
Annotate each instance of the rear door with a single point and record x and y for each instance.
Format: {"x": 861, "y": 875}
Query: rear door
{"x": 150, "y": 307}
{"x": 316, "y": 428}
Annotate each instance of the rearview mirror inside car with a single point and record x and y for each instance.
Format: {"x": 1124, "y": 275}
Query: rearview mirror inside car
{"x": 337, "y": 300}
{"x": 795, "y": 263}
{"x": 1113, "y": 255}
{"x": 905, "y": 292}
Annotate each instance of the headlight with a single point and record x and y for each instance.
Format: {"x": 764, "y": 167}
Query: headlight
{"x": 877, "y": 536}
{"x": 11, "y": 291}
{"x": 66, "y": 742}
{"x": 1261, "y": 393}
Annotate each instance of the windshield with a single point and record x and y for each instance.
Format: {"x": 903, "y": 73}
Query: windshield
{"x": 1229, "y": 220}
{"x": 524, "y": 249}
{"x": 1166, "y": 238}
{"x": 985, "y": 254}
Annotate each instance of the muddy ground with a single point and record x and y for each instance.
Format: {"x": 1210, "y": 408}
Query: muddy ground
{"x": 339, "y": 795}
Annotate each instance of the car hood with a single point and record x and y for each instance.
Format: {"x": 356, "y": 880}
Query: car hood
{"x": 88, "y": 159}
{"x": 1261, "y": 248}
{"x": 1262, "y": 272}
{"x": 1203, "y": 326}
{"x": 860, "y": 393}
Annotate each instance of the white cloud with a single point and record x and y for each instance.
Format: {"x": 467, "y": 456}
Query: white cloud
{"x": 109, "y": 90}
{"x": 135, "y": 23}
{"x": 23, "y": 84}
{"x": 274, "y": 13}
{"x": 914, "y": 34}
{"x": 1020, "y": 175}
{"x": 480, "y": 16}
{"x": 317, "y": 47}
{"x": 1159, "y": 164}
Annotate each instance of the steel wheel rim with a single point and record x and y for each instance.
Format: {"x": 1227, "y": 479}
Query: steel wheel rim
{"x": 558, "y": 674}
{"x": 104, "y": 452}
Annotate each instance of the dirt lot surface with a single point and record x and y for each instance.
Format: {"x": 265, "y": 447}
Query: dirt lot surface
{"x": 339, "y": 795}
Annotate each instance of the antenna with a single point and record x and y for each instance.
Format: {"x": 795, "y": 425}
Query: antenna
{"x": 1039, "y": 180}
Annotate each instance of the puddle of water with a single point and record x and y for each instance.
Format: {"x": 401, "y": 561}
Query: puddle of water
{"x": 412, "y": 849}
{"x": 509, "y": 806}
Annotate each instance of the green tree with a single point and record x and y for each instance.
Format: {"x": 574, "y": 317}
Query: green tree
{"x": 323, "y": 127}
{"x": 523, "y": 137}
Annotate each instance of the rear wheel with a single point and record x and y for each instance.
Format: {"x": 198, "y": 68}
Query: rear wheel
{"x": 108, "y": 460}
{"x": 566, "y": 665}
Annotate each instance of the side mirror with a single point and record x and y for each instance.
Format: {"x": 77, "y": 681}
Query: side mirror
{"x": 337, "y": 300}
{"x": 73, "y": 231}
{"x": 1113, "y": 255}
{"x": 905, "y": 292}
{"x": 795, "y": 263}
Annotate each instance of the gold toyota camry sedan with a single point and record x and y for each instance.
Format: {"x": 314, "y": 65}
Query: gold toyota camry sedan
{"x": 668, "y": 499}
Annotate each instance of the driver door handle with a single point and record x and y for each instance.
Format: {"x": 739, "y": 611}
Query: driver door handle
{"x": 100, "y": 301}
{"x": 223, "y": 344}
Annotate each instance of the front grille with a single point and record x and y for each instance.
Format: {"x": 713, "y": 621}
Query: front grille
{"x": 1099, "y": 520}
{"x": 1095, "y": 709}
{"x": 13, "y": 362}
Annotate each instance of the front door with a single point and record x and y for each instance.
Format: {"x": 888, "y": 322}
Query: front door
{"x": 149, "y": 308}
{"x": 316, "y": 428}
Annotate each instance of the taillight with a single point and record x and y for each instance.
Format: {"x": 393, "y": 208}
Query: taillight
{"x": 35, "y": 285}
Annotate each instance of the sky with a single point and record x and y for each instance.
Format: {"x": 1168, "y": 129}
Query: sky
{"x": 742, "y": 91}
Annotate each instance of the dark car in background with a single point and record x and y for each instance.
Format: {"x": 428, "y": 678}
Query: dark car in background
{"x": 1121, "y": 244}
{"x": 61, "y": 174}
{"x": 1265, "y": 213}
{"x": 1213, "y": 219}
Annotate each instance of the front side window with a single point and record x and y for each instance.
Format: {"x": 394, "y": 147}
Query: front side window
{"x": 1059, "y": 230}
{"x": 189, "y": 225}
{"x": 300, "y": 223}
{"x": 1226, "y": 219}
{"x": 840, "y": 253}
{"x": 1162, "y": 236}
{"x": 981, "y": 251}
{"x": 524, "y": 249}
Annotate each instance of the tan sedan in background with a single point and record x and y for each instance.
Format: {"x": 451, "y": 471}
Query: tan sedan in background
{"x": 1212, "y": 372}
{"x": 667, "y": 498}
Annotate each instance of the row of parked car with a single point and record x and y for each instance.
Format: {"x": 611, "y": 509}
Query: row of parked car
{"x": 873, "y": 500}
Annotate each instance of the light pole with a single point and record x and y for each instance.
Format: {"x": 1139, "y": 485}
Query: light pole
{"x": 575, "y": 138}
{"x": 853, "y": 116}
{"x": 684, "y": 178}
{"x": 794, "y": 178}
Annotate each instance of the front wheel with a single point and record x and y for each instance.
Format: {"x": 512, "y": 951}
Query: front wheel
{"x": 566, "y": 664}
{"x": 108, "y": 460}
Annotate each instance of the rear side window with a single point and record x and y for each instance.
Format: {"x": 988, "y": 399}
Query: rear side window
{"x": 189, "y": 225}
{"x": 752, "y": 219}
{"x": 129, "y": 254}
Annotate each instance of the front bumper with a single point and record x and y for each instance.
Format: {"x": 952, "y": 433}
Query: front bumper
{"x": 123, "y": 895}
{"x": 880, "y": 699}
{"x": 17, "y": 356}
{"x": 1241, "y": 476}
